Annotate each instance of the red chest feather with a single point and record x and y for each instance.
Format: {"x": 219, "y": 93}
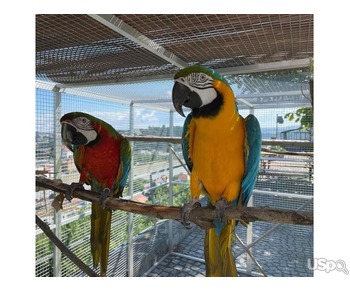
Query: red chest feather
{"x": 100, "y": 162}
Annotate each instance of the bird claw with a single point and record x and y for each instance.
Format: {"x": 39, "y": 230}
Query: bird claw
{"x": 220, "y": 206}
{"x": 186, "y": 210}
{"x": 72, "y": 188}
{"x": 105, "y": 194}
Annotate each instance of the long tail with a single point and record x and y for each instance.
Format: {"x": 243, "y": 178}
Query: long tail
{"x": 100, "y": 236}
{"x": 219, "y": 260}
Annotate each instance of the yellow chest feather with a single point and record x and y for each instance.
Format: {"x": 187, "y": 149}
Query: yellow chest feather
{"x": 217, "y": 154}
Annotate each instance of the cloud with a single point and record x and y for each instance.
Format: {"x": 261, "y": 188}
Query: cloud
{"x": 169, "y": 93}
{"x": 118, "y": 119}
{"x": 145, "y": 118}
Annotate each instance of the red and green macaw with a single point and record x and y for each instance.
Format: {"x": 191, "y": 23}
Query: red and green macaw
{"x": 222, "y": 151}
{"x": 102, "y": 156}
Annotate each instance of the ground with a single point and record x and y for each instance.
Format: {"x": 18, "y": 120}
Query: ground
{"x": 284, "y": 252}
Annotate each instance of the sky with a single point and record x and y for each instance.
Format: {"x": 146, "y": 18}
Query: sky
{"x": 118, "y": 115}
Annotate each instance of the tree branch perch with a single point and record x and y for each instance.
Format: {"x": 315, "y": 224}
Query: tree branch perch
{"x": 46, "y": 229}
{"x": 201, "y": 216}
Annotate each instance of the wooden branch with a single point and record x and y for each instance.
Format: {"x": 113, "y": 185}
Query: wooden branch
{"x": 46, "y": 229}
{"x": 201, "y": 216}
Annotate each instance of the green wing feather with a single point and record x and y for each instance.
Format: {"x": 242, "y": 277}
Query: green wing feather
{"x": 124, "y": 168}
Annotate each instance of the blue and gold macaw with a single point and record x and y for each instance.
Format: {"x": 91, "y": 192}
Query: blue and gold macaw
{"x": 222, "y": 151}
{"x": 102, "y": 156}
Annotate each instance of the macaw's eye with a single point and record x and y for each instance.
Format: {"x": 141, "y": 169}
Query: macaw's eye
{"x": 200, "y": 80}
{"x": 83, "y": 123}
{"x": 82, "y": 120}
{"x": 202, "y": 77}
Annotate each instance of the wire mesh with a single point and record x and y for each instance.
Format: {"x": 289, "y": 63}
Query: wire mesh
{"x": 265, "y": 90}
{"x": 71, "y": 49}
{"x": 45, "y": 126}
{"x": 155, "y": 94}
{"x": 75, "y": 216}
{"x": 44, "y": 162}
{"x": 283, "y": 253}
{"x": 285, "y": 181}
{"x": 77, "y": 48}
{"x": 229, "y": 40}
{"x": 150, "y": 185}
{"x": 75, "y": 235}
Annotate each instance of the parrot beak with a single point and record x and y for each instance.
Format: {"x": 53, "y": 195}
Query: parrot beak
{"x": 184, "y": 96}
{"x": 66, "y": 136}
{"x": 70, "y": 135}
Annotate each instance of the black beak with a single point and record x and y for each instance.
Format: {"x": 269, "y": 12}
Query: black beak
{"x": 183, "y": 96}
{"x": 70, "y": 136}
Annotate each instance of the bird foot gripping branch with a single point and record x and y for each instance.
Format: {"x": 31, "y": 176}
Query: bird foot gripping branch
{"x": 186, "y": 210}
{"x": 57, "y": 202}
{"x": 72, "y": 188}
{"x": 220, "y": 206}
{"x": 105, "y": 194}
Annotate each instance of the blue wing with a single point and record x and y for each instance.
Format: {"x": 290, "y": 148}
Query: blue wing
{"x": 252, "y": 156}
{"x": 185, "y": 143}
{"x": 124, "y": 167}
{"x": 125, "y": 153}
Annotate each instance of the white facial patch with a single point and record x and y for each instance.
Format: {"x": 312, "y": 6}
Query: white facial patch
{"x": 202, "y": 84}
{"x": 207, "y": 95}
{"x": 90, "y": 135}
{"x": 84, "y": 126}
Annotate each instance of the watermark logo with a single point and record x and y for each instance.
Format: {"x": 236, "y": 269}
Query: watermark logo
{"x": 322, "y": 264}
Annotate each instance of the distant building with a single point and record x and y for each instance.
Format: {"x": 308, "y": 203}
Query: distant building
{"x": 184, "y": 176}
{"x": 296, "y": 134}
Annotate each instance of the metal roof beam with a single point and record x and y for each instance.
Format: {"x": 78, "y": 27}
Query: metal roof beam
{"x": 160, "y": 100}
{"x": 275, "y": 105}
{"x": 243, "y": 101}
{"x": 273, "y": 94}
{"x": 128, "y": 80}
{"x": 126, "y": 30}
{"x": 265, "y": 67}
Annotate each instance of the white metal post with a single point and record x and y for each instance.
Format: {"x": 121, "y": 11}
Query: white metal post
{"x": 249, "y": 238}
{"x": 57, "y": 255}
{"x": 250, "y": 225}
{"x": 130, "y": 194}
{"x": 171, "y": 174}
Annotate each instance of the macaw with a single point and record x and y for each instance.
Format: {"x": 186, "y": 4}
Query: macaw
{"x": 222, "y": 151}
{"x": 102, "y": 156}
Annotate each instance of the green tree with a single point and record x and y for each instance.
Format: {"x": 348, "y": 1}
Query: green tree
{"x": 305, "y": 115}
